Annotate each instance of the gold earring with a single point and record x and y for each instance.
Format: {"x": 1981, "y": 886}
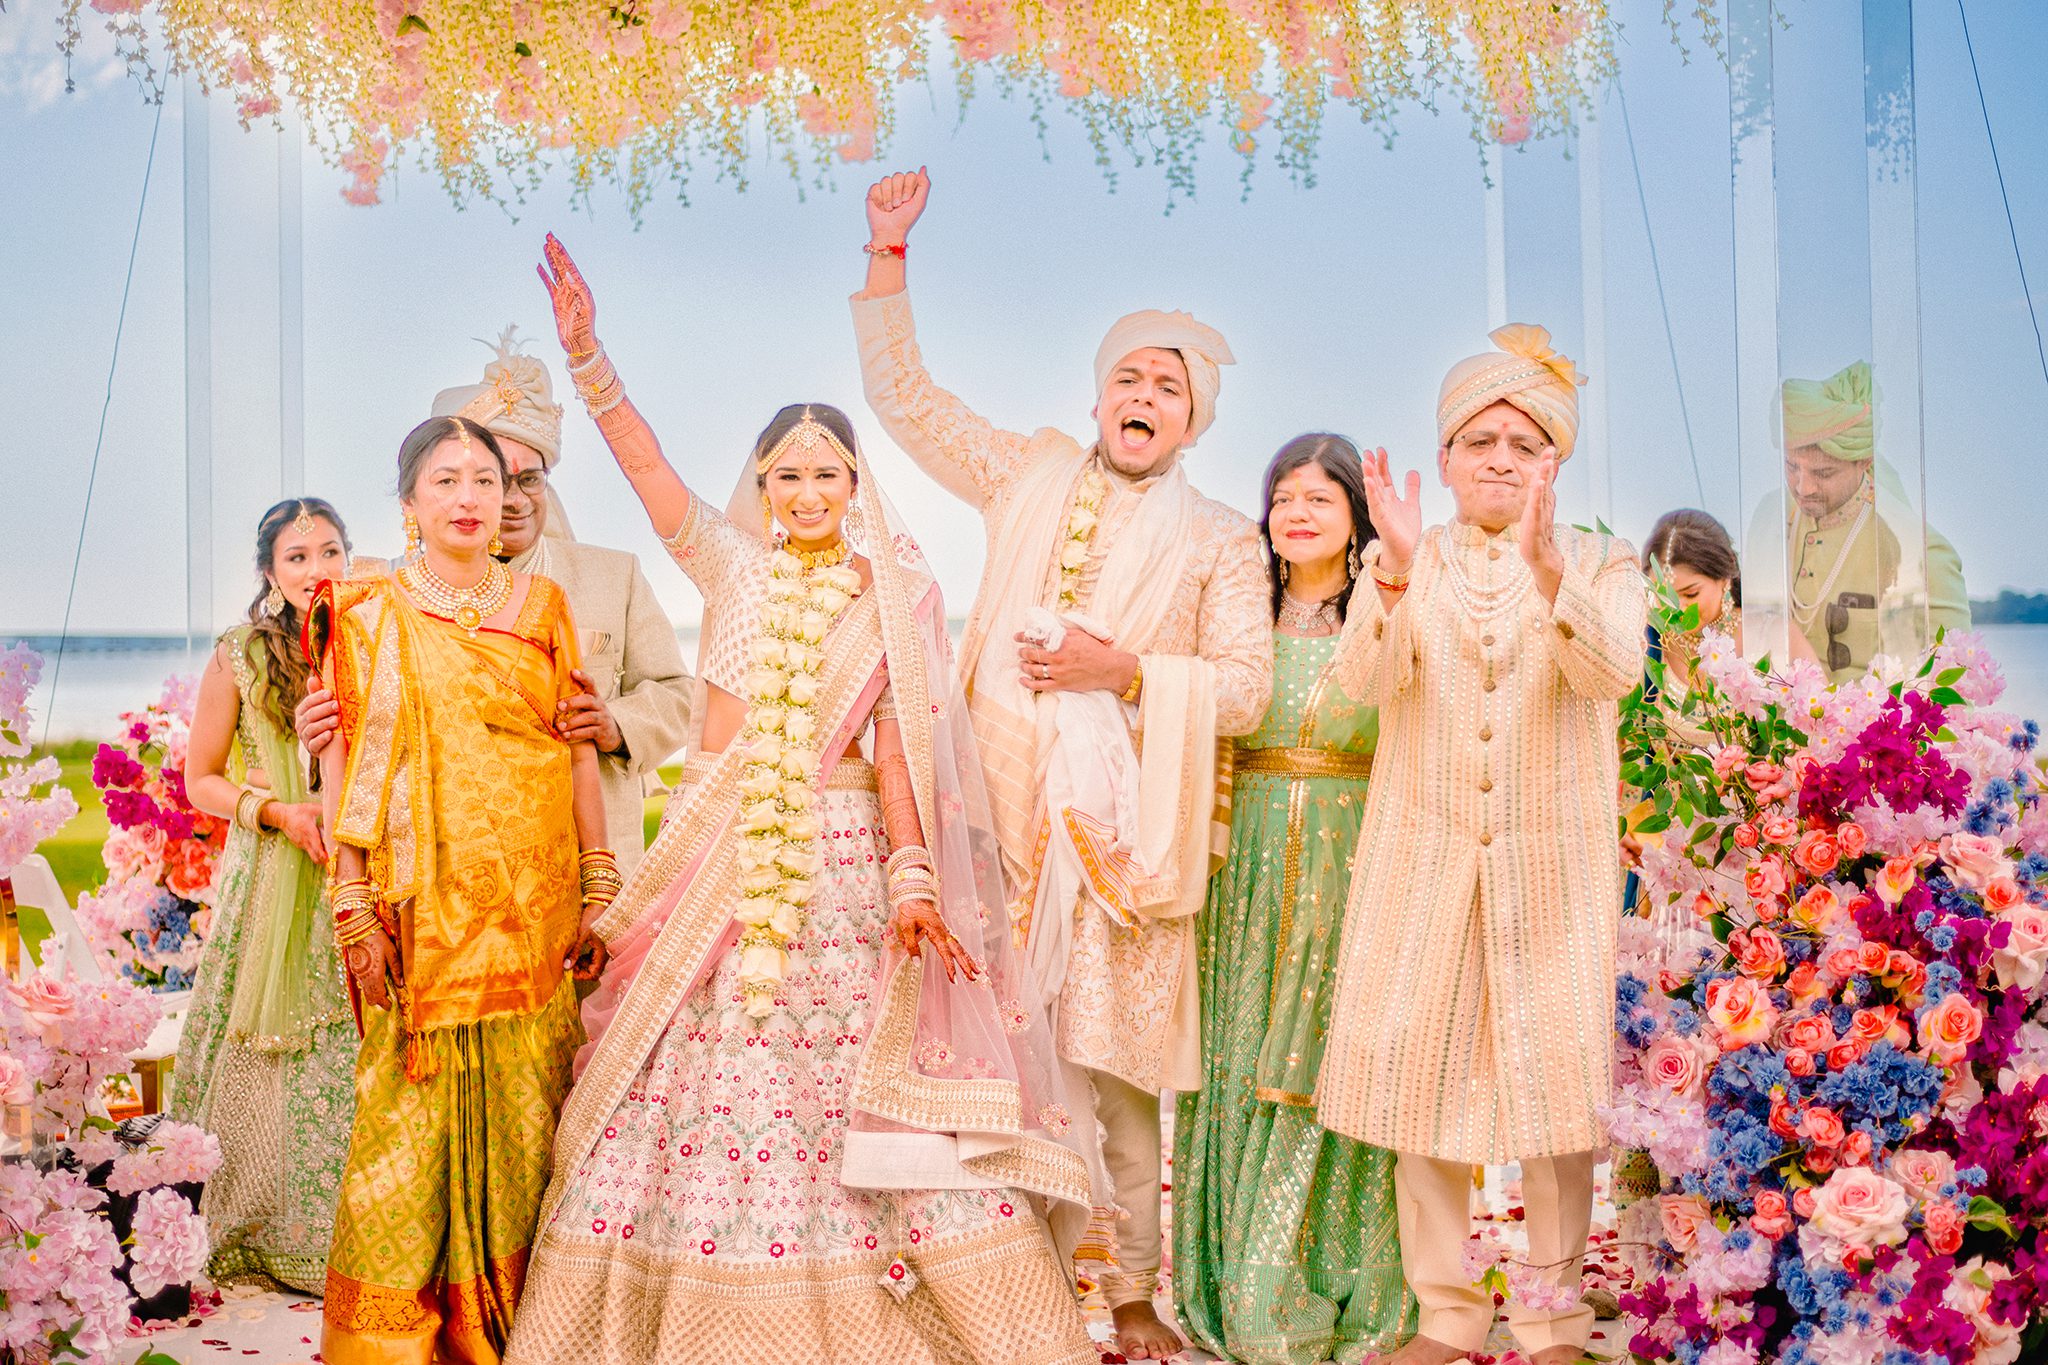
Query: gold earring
{"x": 496, "y": 547}
{"x": 273, "y": 603}
{"x": 412, "y": 533}
{"x": 1283, "y": 570}
{"x": 767, "y": 516}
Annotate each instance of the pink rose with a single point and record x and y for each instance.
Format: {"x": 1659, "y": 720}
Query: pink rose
{"x": 1860, "y": 1209}
{"x": 1741, "y": 1010}
{"x": 1856, "y": 1149}
{"x": 1969, "y": 1293}
{"x": 1727, "y": 759}
{"x": 1871, "y": 1026}
{"x": 1944, "y": 1227}
{"x": 1746, "y": 835}
{"x": 1799, "y": 1061}
{"x": 1894, "y": 880}
{"x": 1679, "y": 1065}
{"x": 1759, "y": 953}
{"x": 1683, "y": 1214}
{"x": 1821, "y": 1126}
{"x": 1772, "y": 1218}
{"x": 2023, "y": 960}
{"x": 1852, "y": 839}
{"x": 1764, "y": 879}
{"x": 1949, "y": 1027}
{"x": 1817, "y": 853}
{"x": 2002, "y": 893}
{"x": 15, "y": 1085}
{"x": 1763, "y": 775}
{"x": 1805, "y": 985}
{"x": 1780, "y": 830}
{"x": 134, "y": 854}
{"x": 188, "y": 870}
{"x": 1974, "y": 859}
{"x": 1872, "y": 958}
{"x": 1846, "y": 1053}
{"x": 1813, "y": 1033}
{"x": 1802, "y": 1203}
{"x": 1922, "y": 1173}
{"x": 1817, "y": 909}
{"x": 44, "y": 999}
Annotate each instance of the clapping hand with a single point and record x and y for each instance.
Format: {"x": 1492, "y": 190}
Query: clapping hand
{"x": 1538, "y": 533}
{"x": 575, "y": 309}
{"x": 1396, "y": 517}
{"x": 894, "y": 203}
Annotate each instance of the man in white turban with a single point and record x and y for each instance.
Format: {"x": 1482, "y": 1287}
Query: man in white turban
{"x": 1857, "y": 580}
{"x": 636, "y": 698}
{"x": 1474, "y": 1009}
{"x": 1173, "y": 594}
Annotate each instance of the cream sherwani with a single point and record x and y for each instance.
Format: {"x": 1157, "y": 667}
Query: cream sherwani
{"x": 1127, "y": 1009}
{"x": 631, "y": 654}
{"x": 1475, "y": 995}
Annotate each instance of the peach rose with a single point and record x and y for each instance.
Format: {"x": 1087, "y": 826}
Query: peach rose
{"x": 1802, "y": 1203}
{"x": 1799, "y": 1061}
{"x": 1922, "y": 1173}
{"x": 44, "y": 999}
{"x": 1817, "y": 853}
{"x": 1852, "y": 839}
{"x": 1764, "y": 879}
{"x": 1784, "y": 1118}
{"x": 1759, "y": 953}
{"x": 1746, "y": 835}
{"x": 1894, "y": 880}
{"x": 1870, "y": 1026}
{"x": 1846, "y": 1053}
{"x": 1856, "y": 1149}
{"x": 1741, "y": 1010}
{"x": 1861, "y": 1209}
{"x": 2002, "y": 893}
{"x": 1704, "y": 906}
{"x": 1949, "y": 1027}
{"x": 1821, "y": 1126}
{"x": 1814, "y": 1033}
{"x": 1683, "y": 1215}
{"x": 1872, "y": 958}
{"x": 188, "y": 870}
{"x": 1841, "y": 963}
{"x": 1805, "y": 985}
{"x": 1780, "y": 830}
{"x": 1906, "y": 973}
{"x": 1818, "y": 908}
{"x": 1772, "y": 1219}
{"x": 2024, "y": 959}
{"x": 1762, "y": 775}
{"x": 1679, "y": 1065}
{"x": 1974, "y": 859}
{"x": 1727, "y": 759}
{"x": 1945, "y": 1224}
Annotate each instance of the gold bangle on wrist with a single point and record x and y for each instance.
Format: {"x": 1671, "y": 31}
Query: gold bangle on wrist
{"x": 249, "y": 807}
{"x": 1137, "y": 682}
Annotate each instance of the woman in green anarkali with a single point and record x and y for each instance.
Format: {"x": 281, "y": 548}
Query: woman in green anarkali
{"x": 267, "y": 1060}
{"x": 1285, "y": 1247}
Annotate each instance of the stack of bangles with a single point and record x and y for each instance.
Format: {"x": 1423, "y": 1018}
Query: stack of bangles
{"x": 1392, "y": 582}
{"x": 355, "y": 913}
{"x": 911, "y": 877}
{"x": 249, "y": 808}
{"x": 598, "y": 870}
{"x": 597, "y": 382}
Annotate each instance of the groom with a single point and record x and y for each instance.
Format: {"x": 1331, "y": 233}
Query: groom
{"x": 1175, "y": 583}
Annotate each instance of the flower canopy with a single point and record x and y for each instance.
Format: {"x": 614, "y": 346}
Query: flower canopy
{"x": 647, "y": 91}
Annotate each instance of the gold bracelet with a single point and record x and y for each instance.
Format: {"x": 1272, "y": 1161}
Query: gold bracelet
{"x": 249, "y": 808}
{"x": 1137, "y": 682}
{"x": 359, "y": 927}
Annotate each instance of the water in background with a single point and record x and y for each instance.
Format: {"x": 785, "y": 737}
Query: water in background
{"x": 102, "y": 677}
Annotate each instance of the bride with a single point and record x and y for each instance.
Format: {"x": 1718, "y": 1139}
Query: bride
{"x": 814, "y": 1121}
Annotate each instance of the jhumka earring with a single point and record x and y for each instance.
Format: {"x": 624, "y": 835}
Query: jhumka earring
{"x": 1283, "y": 571}
{"x": 767, "y": 516}
{"x": 851, "y": 526}
{"x": 273, "y": 603}
{"x": 1351, "y": 560}
{"x": 412, "y": 534}
{"x": 496, "y": 547}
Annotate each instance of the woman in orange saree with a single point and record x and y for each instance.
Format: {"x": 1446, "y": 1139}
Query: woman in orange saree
{"x": 814, "y": 1119}
{"x": 462, "y": 825}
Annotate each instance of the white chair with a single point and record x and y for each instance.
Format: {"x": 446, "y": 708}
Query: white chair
{"x": 67, "y": 946}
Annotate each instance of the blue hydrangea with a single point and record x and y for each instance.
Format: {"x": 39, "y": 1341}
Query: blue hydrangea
{"x": 1971, "y": 1177}
{"x": 1998, "y": 791}
{"x": 1943, "y": 978}
{"x": 1942, "y": 937}
{"x": 1685, "y": 1020}
{"x": 2026, "y": 736}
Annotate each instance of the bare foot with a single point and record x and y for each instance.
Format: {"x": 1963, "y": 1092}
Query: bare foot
{"x": 1422, "y": 1350}
{"x": 1141, "y": 1335}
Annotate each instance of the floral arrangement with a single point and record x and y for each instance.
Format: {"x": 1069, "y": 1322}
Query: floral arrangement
{"x": 646, "y": 90}
{"x": 62, "y": 1265}
{"x": 32, "y": 806}
{"x": 1841, "y": 1072}
{"x": 1082, "y": 516}
{"x": 152, "y": 912}
{"x": 778, "y": 856}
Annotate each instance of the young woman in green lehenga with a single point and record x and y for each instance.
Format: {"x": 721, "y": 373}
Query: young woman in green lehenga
{"x": 1284, "y": 1241}
{"x": 267, "y": 1061}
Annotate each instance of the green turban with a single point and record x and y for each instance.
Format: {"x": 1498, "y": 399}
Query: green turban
{"x": 1834, "y": 414}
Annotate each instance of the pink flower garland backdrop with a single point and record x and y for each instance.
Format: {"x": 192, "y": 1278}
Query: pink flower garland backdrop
{"x": 1841, "y": 1072}
{"x": 646, "y": 91}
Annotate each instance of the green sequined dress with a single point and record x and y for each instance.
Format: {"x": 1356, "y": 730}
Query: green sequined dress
{"x": 1285, "y": 1248}
{"x": 268, "y": 1057}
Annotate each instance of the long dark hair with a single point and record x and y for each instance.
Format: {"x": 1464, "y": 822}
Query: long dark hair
{"x": 283, "y": 669}
{"x": 785, "y": 420}
{"x": 412, "y": 451}
{"x": 1690, "y": 537}
{"x": 1337, "y": 457}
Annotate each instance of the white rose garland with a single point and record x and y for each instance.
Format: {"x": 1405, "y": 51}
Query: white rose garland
{"x": 778, "y": 854}
{"x": 1082, "y": 516}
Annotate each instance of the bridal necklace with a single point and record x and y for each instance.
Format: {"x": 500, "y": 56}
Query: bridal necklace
{"x": 1308, "y": 618}
{"x": 831, "y": 557}
{"x": 1485, "y": 603}
{"x": 467, "y": 607}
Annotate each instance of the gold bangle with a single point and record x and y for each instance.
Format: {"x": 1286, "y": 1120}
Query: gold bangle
{"x": 249, "y": 807}
{"x": 1137, "y": 682}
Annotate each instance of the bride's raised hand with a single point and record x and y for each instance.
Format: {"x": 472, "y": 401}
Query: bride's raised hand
{"x": 895, "y": 202}
{"x": 575, "y": 309}
{"x": 1396, "y": 515}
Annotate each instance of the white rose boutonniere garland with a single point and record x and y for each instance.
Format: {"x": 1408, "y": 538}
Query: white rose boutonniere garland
{"x": 1082, "y": 516}
{"x": 778, "y": 853}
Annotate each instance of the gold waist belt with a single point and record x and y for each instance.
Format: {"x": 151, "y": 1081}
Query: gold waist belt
{"x": 851, "y": 773}
{"x": 1303, "y": 762}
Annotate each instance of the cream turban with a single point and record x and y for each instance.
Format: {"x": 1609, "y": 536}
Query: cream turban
{"x": 1834, "y": 414}
{"x": 1524, "y": 372}
{"x": 1203, "y": 348}
{"x": 515, "y": 400}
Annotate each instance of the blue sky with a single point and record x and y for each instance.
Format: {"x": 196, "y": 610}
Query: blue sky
{"x": 1344, "y": 303}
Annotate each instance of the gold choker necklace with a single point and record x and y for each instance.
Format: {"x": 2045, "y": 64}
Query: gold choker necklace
{"x": 830, "y": 557}
{"x": 467, "y": 607}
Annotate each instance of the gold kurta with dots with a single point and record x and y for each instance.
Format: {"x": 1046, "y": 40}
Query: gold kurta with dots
{"x": 1475, "y": 990}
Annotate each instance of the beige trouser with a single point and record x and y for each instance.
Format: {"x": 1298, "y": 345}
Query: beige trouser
{"x": 1434, "y": 1200}
{"x": 1130, "y": 1153}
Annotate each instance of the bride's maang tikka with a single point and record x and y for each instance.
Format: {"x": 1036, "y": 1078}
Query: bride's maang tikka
{"x": 805, "y": 437}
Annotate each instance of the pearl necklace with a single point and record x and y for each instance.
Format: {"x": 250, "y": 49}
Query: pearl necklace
{"x": 1308, "y": 618}
{"x": 467, "y": 607}
{"x": 831, "y": 557}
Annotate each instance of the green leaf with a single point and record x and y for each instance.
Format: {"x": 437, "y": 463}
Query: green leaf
{"x": 523, "y": 49}
{"x": 156, "y": 1357}
{"x": 1656, "y": 823}
{"x": 1988, "y": 1214}
{"x": 1948, "y": 677}
{"x": 31, "y": 1240}
{"x": 1945, "y": 696}
{"x": 411, "y": 22}
{"x": 1945, "y": 735}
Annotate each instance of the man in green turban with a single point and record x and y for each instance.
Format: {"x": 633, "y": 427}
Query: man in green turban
{"x": 1856, "y": 580}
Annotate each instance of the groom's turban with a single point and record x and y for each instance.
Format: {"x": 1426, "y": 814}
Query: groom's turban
{"x": 1202, "y": 348}
{"x": 1833, "y": 414}
{"x": 1525, "y": 372}
{"x": 515, "y": 400}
